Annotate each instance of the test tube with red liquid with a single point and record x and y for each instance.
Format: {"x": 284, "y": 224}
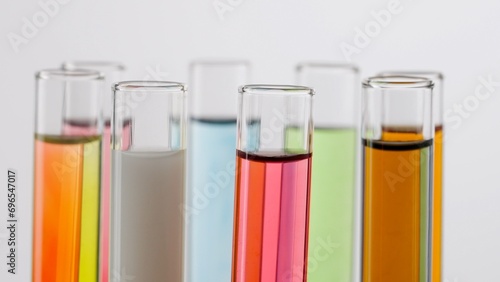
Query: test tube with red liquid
{"x": 273, "y": 176}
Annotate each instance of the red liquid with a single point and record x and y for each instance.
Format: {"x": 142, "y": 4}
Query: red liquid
{"x": 271, "y": 218}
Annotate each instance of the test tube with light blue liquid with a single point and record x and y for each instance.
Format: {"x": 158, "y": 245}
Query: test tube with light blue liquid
{"x": 211, "y": 168}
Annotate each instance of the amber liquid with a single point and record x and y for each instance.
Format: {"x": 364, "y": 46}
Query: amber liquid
{"x": 437, "y": 207}
{"x": 396, "y": 207}
{"x": 66, "y": 211}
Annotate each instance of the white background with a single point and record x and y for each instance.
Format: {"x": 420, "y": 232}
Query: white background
{"x": 459, "y": 38}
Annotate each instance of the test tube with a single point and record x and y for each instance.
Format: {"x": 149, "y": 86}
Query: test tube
{"x": 437, "y": 197}
{"x": 112, "y": 72}
{"x": 68, "y": 129}
{"x": 273, "y": 171}
{"x": 210, "y": 193}
{"x": 333, "y": 175}
{"x": 397, "y": 135}
{"x": 147, "y": 184}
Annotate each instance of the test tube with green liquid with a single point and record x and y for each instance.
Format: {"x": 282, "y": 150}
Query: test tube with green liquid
{"x": 332, "y": 216}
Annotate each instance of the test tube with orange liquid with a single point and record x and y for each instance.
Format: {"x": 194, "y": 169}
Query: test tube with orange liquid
{"x": 398, "y": 137}
{"x": 437, "y": 197}
{"x": 68, "y": 132}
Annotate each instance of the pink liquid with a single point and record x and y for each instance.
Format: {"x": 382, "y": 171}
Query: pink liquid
{"x": 79, "y": 128}
{"x": 106, "y": 194}
{"x": 105, "y": 199}
{"x": 271, "y": 218}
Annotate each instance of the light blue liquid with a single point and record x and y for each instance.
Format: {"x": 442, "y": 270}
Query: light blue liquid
{"x": 210, "y": 200}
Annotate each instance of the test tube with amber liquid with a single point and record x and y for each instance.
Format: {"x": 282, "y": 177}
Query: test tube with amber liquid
{"x": 397, "y": 136}
{"x": 68, "y": 130}
{"x": 437, "y": 197}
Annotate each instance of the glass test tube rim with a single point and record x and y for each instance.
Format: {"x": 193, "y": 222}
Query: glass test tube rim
{"x": 111, "y": 65}
{"x": 397, "y": 82}
{"x": 276, "y": 89}
{"x": 429, "y": 74}
{"x": 327, "y": 65}
{"x": 149, "y": 85}
{"x": 69, "y": 75}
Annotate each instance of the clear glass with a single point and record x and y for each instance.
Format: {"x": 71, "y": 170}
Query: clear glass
{"x": 272, "y": 183}
{"x": 437, "y": 206}
{"x": 147, "y": 184}
{"x": 211, "y": 83}
{"x": 211, "y": 165}
{"x": 112, "y": 72}
{"x": 333, "y": 193}
{"x": 397, "y": 135}
{"x": 437, "y": 92}
{"x": 68, "y": 128}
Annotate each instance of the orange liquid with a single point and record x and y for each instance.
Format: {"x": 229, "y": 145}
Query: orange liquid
{"x": 396, "y": 215}
{"x": 437, "y": 208}
{"x": 66, "y": 185}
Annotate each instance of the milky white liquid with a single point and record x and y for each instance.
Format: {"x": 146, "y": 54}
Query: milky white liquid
{"x": 146, "y": 220}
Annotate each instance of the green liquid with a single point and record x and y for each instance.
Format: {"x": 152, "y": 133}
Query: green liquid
{"x": 331, "y": 229}
{"x": 89, "y": 245}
